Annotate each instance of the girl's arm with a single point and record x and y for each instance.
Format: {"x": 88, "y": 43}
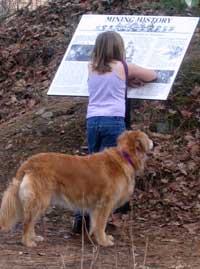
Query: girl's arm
{"x": 146, "y": 75}
{"x": 89, "y": 68}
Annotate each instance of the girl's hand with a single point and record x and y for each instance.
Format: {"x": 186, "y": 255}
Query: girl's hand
{"x": 141, "y": 73}
{"x": 135, "y": 82}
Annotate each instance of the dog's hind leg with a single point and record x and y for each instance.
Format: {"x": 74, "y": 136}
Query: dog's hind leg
{"x": 33, "y": 206}
{"x": 99, "y": 218}
{"x": 28, "y": 230}
{"x": 32, "y": 211}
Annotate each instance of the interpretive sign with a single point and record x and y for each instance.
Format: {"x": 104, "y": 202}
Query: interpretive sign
{"x": 155, "y": 42}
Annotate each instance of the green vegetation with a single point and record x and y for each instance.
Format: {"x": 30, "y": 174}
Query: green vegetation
{"x": 192, "y": 3}
{"x": 173, "y": 4}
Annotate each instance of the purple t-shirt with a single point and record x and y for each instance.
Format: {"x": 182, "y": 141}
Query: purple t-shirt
{"x": 106, "y": 95}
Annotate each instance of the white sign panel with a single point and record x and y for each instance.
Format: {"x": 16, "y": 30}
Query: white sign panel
{"x": 155, "y": 42}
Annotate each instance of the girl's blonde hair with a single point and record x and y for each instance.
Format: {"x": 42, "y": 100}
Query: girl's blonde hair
{"x": 109, "y": 46}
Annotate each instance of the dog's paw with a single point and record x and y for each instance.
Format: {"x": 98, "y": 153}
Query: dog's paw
{"x": 38, "y": 238}
{"x": 29, "y": 244}
{"x": 110, "y": 237}
{"x": 107, "y": 242}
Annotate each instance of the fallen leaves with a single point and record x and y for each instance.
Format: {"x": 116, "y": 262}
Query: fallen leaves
{"x": 186, "y": 113}
{"x": 192, "y": 227}
{"x": 31, "y": 48}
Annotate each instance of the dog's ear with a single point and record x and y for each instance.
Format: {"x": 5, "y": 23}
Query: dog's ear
{"x": 141, "y": 142}
{"x": 140, "y": 145}
{"x": 123, "y": 139}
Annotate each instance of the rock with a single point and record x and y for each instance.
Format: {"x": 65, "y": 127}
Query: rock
{"x": 47, "y": 115}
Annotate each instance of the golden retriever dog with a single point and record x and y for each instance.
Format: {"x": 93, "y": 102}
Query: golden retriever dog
{"x": 97, "y": 183}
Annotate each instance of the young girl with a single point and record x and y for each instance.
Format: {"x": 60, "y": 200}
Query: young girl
{"x": 107, "y": 86}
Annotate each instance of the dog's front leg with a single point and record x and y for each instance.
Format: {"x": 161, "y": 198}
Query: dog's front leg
{"x": 99, "y": 218}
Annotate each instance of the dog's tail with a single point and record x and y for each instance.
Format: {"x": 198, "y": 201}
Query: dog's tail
{"x": 11, "y": 209}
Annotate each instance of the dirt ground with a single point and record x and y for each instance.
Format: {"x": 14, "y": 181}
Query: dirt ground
{"x": 152, "y": 245}
{"x": 162, "y": 229}
{"x": 150, "y": 236}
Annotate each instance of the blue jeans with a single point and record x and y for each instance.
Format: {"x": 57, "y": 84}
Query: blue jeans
{"x": 102, "y": 132}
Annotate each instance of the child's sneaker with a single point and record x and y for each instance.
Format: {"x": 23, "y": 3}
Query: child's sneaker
{"x": 77, "y": 224}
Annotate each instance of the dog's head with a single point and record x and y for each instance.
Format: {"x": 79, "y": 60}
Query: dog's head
{"x": 137, "y": 144}
{"x": 135, "y": 141}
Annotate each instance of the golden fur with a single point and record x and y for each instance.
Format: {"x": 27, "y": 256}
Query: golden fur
{"x": 97, "y": 183}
